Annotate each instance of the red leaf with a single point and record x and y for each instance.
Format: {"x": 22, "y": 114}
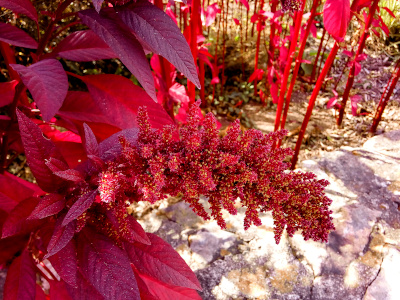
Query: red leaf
{"x": 70, "y": 175}
{"x": 21, "y": 279}
{"x": 48, "y": 84}
{"x": 15, "y": 36}
{"x": 389, "y": 12}
{"x": 12, "y": 191}
{"x": 119, "y": 38}
{"x": 237, "y": 22}
{"x": 165, "y": 291}
{"x": 120, "y": 99}
{"x": 354, "y": 100}
{"x": 21, "y": 7}
{"x": 81, "y": 106}
{"x": 157, "y": 32}
{"x": 144, "y": 291}
{"x": 37, "y": 150}
{"x": 337, "y": 17}
{"x": 211, "y": 13}
{"x": 84, "y": 291}
{"x": 91, "y": 144}
{"x": 50, "y": 205}
{"x": 245, "y": 3}
{"x": 111, "y": 148}
{"x": 58, "y": 291}
{"x": 7, "y": 91}
{"x": 9, "y": 247}
{"x": 83, "y": 46}
{"x": 6, "y": 203}
{"x": 161, "y": 261}
{"x": 80, "y": 206}
{"x": 106, "y": 266}
{"x": 16, "y": 222}
{"x": 61, "y": 237}
{"x": 65, "y": 263}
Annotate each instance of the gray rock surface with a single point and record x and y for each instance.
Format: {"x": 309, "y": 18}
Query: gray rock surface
{"x": 360, "y": 261}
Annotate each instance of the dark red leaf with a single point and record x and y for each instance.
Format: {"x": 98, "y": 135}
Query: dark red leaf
{"x": 21, "y": 279}
{"x": 120, "y": 99}
{"x": 48, "y": 84}
{"x": 18, "y": 188}
{"x": 61, "y": 237}
{"x": 15, "y": 36}
{"x": 119, "y": 38}
{"x": 83, "y": 46}
{"x": 80, "y": 206}
{"x": 81, "y": 106}
{"x": 65, "y": 263}
{"x": 70, "y": 175}
{"x": 111, "y": 148}
{"x": 16, "y": 222}
{"x": 84, "y": 291}
{"x": 21, "y": 7}
{"x": 56, "y": 165}
{"x": 165, "y": 291}
{"x": 38, "y": 149}
{"x": 106, "y": 266}
{"x": 58, "y": 291}
{"x": 337, "y": 17}
{"x": 133, "y": 230}
{"x": 157, "y": 32}
{"x": 7, "y": 91}
{"x": 50, "y": 205}
{"x": 10, "y": 246}
{"x": 6, "y": 203}
{"x": 161, "y": 261}
{"x": 40, "y": 295}
{"x": 91, "y": 144}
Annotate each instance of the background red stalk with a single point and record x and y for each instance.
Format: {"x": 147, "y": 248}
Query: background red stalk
{"x": 194, "y": 20}
{"x": 255, "y": 11}
{"x": 259, "y": 29}
{"x": 322, "y": 56}
{"x": 311, "y": 102}
{"x": 350, "y": 80}
{"x": 386, "y": 96}
{"x": 299, "y": 59}
{"x": 317, "y": 57}
{"x": 271, "y": 51}
{"x": 288, "y": 67}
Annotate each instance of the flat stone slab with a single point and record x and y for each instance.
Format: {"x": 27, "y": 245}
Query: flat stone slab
{"x": 360, "y": 261}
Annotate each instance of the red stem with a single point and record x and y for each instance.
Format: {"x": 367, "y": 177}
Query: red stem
{"x": 252, "y": 27}
{"x": 298, "y": 63}
{"x": 194, "y": 20}
{"x": 288, "y": 67}
{"x": 311, "y": 102}
{"x": 385, "y": 97}
{"x": 350, "y": 80}
{"x": 258, "y": 46}
{"x": 317, "y": 57}
{"x": 49, "y": 31}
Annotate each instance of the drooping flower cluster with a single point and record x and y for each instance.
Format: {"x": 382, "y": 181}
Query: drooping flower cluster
{"x": 238, "y": 165}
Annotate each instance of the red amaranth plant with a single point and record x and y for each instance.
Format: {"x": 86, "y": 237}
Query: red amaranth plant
{"x": 70, "y": 233}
